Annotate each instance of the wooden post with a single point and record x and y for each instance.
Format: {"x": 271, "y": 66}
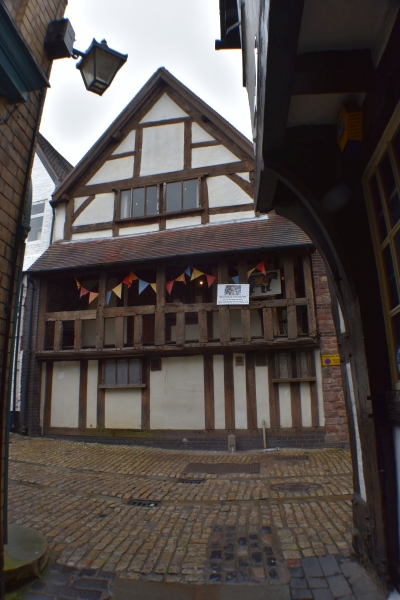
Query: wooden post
{"x": 202, "y": 320}
{"x": 69, "y": 213}
{"x": 180, "y": 328}
{"x": 209, "y": 391}
{"x": 205, "y": 217}
{"x": 242, "y": 271}
{"x": 308, "y": 284}
{"x": 101, "y": 300}
{"x": 42, "y": 311}
{"x": 101, "y": 399}
{"x": 290, "y": 294}
{"x": 229, "y": 392}
{"x": 77, "y": 335}
{"x": 146, "y": 395}
{"x": 58, "y": 336}
{"x": 267, "y": 321}
{"x": 224, "y": 317}
{"x": 137, "y": 330}
{"x": 295, "y": 404}
{"x": 119, "y": 332}
{"x": 159, "y": 334}
{"x": 83, "y": 379}
{"x": 48, "y": 396}
{"x": 251, "y": 401}
{"x": 117, "y": 212}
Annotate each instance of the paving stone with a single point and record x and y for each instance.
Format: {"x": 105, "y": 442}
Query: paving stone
{"x": 242, "y": 541}
{"x": 268, "y": 551}
{"x": 311, "y": 567}
{"x": 243, "y": 563}
{"x": 215, "y": 577}
{"x": 61, "y": 578}
{"x": 301, "y": 594}
{"x": 228, "y": 547}
{"x": 298, "y": 582}
{"x": 271, "y": 562}
{"x": 216, "y": 555}
{"x": 31, "y": 596}
{"x": 93, "y": 595}
{"x": 257, "y": 557}
{"x": 296, "y": 572}
{"x": 329, "y": 565}
{"x": 350, "y": 568}
{"x": 322, "y": 595}
{"x": 338, "y": 586}
{"x": 229, "y": 556}
{"x": 37, "y": 586}
{"x": 317, "y": 582}
{"x": 93, "y": 584}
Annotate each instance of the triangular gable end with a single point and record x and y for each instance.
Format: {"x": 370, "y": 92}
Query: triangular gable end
{"x": 164, "y": 109}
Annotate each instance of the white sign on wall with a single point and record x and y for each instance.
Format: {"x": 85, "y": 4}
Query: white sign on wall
{"x": 265, "y": 285}
{"x": 233, "y": 293}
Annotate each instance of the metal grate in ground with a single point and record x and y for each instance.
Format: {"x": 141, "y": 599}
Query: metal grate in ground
{"x": 295, "y": 487}
{"x": 144, "y": 503}
{"x": 223, "y": 468}
{"x": 190, "y": 480}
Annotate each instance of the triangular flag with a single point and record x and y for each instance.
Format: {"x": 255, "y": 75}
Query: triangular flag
{"x": 78, "y": 285}
{"x": 235, "y": 279}
{"x": 142, "y": 285}
{"x": 261, "y": 267}
{"x": 108, "y": 297}
{"x": 154, "y": 286}
{"x": 169, "y": 285}
{"x": 132, "y": 277}
{"x": 127, "y": 280}
{"x": 92, "y": 296}
{"x": 118, "y": 290}
{"x": 210, "y": 279}
{"x": 250, "y": 272}
{"x": 181, "y": 278}
{"x": 195, "y": 274}
{"x": 84, "y": 291}
{"x": 188, "y": 271}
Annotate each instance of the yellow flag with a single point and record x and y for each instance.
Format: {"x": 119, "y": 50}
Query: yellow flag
{"x": 78, "y": 285}
{"x": 154, "y": 286}
{"x": 195, "y": 274}
{"x": 250, "y": 272}
{"x": 118, "y": 290}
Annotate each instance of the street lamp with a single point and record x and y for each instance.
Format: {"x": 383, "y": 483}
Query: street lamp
{"x": 98, "y": 65}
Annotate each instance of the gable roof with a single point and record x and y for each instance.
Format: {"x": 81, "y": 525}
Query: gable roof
{"x": 259, "y": 234}
{"x": 160, "y": 80}
{"x": 56, "y": 165}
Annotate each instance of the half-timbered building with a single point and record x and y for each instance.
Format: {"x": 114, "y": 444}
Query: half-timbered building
{"x": 131, "y": 342}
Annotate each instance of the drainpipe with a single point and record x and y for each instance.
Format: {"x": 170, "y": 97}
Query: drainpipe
{"x": 25, "y": 386}
{"x": 16, "y": 359}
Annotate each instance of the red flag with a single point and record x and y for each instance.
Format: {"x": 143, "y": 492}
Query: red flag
{"x": 210, "y": 280}
{"x": 127, "y": 280}
{"x": 261, "y": 267}
{"x": 84, "y": 291}
{"x": 168, "y": 286}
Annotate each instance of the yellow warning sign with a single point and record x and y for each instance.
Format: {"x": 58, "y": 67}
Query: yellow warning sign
{"x": 330, "y": 360}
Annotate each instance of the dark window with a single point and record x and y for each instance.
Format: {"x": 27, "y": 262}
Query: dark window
{"x": 36, "y": 222}
{"x": 181, "y": 195}
{"x": 139, "y": 202}
{"x": 123, "y": 372}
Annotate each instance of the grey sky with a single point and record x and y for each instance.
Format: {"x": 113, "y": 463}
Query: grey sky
{"x": 176, "y": 34}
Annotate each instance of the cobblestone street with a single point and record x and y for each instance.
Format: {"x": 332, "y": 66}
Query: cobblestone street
{"x": 282, "y": 527}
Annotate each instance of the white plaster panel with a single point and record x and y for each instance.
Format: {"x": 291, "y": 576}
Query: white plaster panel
{"x": 36, "y": 248}
{"x": 114, "y": 170}
{"x": 212, "y": 155}
{"x": 200, "y": 135}
{"x": 163, "y": 109}
{"x": 162, "y": 149}
{"x": 177, "y": 394}
{"x": 123, "y": 408}
{"x": 92, "y": 235}
{"x": 239, "y": 384}
{"x": 127, "y": 145}
{"x": 245, "y": 176}
{"x": 305, "y": 399}
{"x": 65, "y": 394}
{"x": 136, "y": 229}
{"x": 222, "y": 191}
{"x": 183, "y": 222}
{"x": 58, "y": 231}
{"x": 233, "y": 216}
{"x": 285, "y": 404}
{"x": 42, "y": 394}
{"x": 78, "y": 202}
{"x": 91, "y": 407}
{"x": 100, "y": 210}
{"x": 219, "y": 392}
{"x": 262, "y": 396}
{"x": 318, "y": 375}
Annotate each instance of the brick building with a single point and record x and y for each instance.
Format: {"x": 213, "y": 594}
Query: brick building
{"x": 25, "y": 69}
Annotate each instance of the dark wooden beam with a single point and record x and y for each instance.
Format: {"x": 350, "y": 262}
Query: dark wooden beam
{"x": 333, "y": 72}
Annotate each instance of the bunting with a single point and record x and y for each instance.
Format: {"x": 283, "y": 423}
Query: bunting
{"x": 169, "y": 285}
{"x": 108, "y": 297}
{"x": 92, "y": 296}
{"x": 250, "y": 272}
{"x": 78, "y": 285}
{"x": 83, "y": 292}
{"x": 188, "y": 271}
{"x": 142, "y": 285}
{"x": 235, "y": 279}
{"x": 181, "y": 278}
{"x": 261, "y": 267}
{"x": 195, "y": 274}
{"x": 210, "y": 280}
{"x": 118, "y": 290}
{"x": 154, "y": 286}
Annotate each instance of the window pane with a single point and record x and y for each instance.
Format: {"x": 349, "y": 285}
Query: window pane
{"x": 134, "y": 371}
{"x": 122, "y": 372}
{"x": 174, "y": 191}
{"x": 389, "y": 184}
{"x": 109, "y": 372}
{"x": 390, "y": 277}
{"x": 125, "y": 204}
{"x": 37, "y": 208}
{"x": 190, "y": 195}
{"x": 138, "y": 202}
{"x": 378, "y": 209}
{"x": 151, "y": 200}
{"x": 36, "y": 229}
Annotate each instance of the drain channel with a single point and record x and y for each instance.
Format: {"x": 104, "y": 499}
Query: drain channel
{"x": 144, "y": 503}
{"x": 190, "y": 480}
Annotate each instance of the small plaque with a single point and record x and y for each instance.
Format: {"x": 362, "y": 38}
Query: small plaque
{"x": 330, "y": 360}
{"x": 233, "y": 293}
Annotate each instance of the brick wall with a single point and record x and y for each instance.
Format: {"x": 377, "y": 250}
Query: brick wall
{"x": 334, "y": 403}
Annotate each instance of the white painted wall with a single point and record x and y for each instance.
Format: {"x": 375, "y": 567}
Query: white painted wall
{"x": 123, "y": 408}
{"x": 91, "y": 406}
{"x": 233, "y": 216}
{"x": 219, "y": 392}
{"x": 177, "y": 394}
{"x": 183, "y": 222}
{"x": 79, "y": 201}
{"x": 285, "y": 405}
{"x": 222, "y": 191}
{"x": 42, "y": 395}
{"x": 92, "y": 235}
{"x": 164, "y": 108}
{"x": 114, "y": 170}
{"x": 147, "y": 228}
{"x": 65, "y": 394}
{"x": 100, "y": 210}
{"x": 212, "y": 155}
{"x": 162, "y": 149}
{"x": 239, "y": 383}
{"x": 58, "y": 230}
{"x": 262, "y": 396}
{"x": 245, "y": 176}
{"x": 305, "y": 399}
{"x": 200, "y": 135}
{"x": 127, "y": 145}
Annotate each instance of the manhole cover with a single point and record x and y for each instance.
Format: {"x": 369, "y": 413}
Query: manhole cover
{"x": 144, "y": 503}
{"x": 295, "y": 487}
{"x": 190, "y": 480}
{"x": 223, "y": 468}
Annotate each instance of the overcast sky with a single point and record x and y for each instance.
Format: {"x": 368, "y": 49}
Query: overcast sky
{"x": 176, "y": 34}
